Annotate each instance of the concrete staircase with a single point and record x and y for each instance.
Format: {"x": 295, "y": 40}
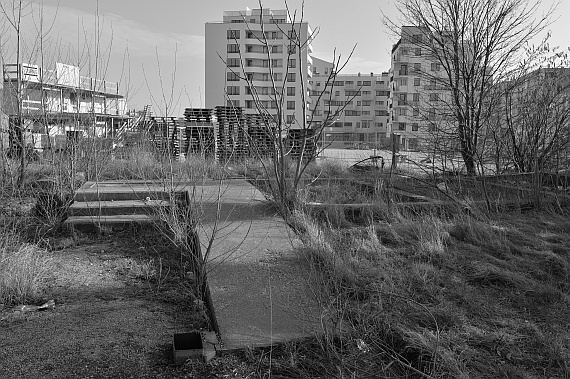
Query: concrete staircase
{"x": 117, "y": 203}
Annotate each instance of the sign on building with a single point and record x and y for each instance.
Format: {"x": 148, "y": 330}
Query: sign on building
{"x": 67, "y": 75}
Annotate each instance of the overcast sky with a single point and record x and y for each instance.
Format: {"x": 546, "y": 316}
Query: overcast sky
{"x": 157, "y": 32}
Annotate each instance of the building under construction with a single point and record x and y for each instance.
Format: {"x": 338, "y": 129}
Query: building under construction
{"x": 48, "y": 108}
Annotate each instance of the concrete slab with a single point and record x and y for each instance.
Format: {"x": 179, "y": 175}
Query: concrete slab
{"x": 259, "y": 286}
{"x": 111, "y": 208}
{"x": 111, "y": 220}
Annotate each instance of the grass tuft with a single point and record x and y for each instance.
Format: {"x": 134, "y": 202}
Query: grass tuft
{"x": 24, "y": 272}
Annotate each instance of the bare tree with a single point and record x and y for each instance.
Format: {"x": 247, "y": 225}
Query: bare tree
{"x": 535, "y": 112}
{"x": 474, "y": 44}
{"x": 292, "y": 140}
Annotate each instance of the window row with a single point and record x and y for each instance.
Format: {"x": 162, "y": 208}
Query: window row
{"x": 235, "y": 90}
{"x": 263, "y": 77}
{"x": 261, "y": 49}
{"x": 403, "y": 126}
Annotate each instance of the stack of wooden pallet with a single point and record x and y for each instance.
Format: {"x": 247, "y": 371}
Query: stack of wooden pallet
{"x": 199, "y": 136}
{"x": 167, "y": 134}
{"x": 231, "y": 139}
{"x": 261, "y": 135}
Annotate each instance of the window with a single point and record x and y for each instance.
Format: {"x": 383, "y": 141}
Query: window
{"x": 290, "y": 91}
{"x": 348, "y": 124}
{"x": 249, "y": 104}
{"x": 417, "y": 67}
{"x": 378, "y": 124}
{"x": 232, "y": 77}
{"x": 433, "y": 97}
{"x": 349, "y": 82}
{"x": 351, "y": 113}
{"x": 290, "y": 105}
{"x": 237, "y": 21}
{"x": 366, "y": 113}
{"x": 435, "y": 66}
{"x": 358, "y": 103}
{"x": 381, "y": 113}
{"x": 417, "y": 38}
{"x": 403, "y": 69}
{"x": 416, "y": 82}
{"x": 359, "y": 83}
{"x": 379, "y": 102}
{"x": 232, "y": 103}
{"x": 402, "y": 126}
{"x": 416, "y": 97}
{"x": 366, "y": 93}
{"x": 291, "y": 63}
{"x": 366, "y": 103}
{"x": 318, "y": 84}
{"x": 367, "y": 83}
{"x": 402, "y": 111}
{"x": 358, "y": 124}
{"x": 404, "y": 51}
{"x": 291, "y": 77}
{"x": 366, "y": 124}
{"x": 337, "y": 93}
{"x": 233, "y": 48}
{"x": 233, "y": 90}
{"x": 292, "y": 49}
{"x": 338, "y": 83}
{"x": 249, "y": 34}
{"x": 352, "y": 93}
{"x": 416, "y": 112}
{"x": 290, "y": 119}
{"x": 382, "y": 93}
{"x": 291, "y": 34}
{"x": 233, "y": 34}
{"x": 404, "y": 81}
{"x": 431, "y": 114}
{"x": 418, "y": 52}
{"x": 233, "y": 62}
{"x": 415, "y": 127}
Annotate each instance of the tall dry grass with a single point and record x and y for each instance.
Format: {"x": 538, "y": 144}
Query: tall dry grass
{"x": 24, "y": 270}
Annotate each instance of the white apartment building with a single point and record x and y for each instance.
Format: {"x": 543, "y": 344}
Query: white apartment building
{"x": 237, "y": 48}
{"x": 354, "y": 107}
{"x": 417, "y": 99}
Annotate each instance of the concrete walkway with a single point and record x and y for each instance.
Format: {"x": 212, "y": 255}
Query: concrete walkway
{"x": 259, "y": 285}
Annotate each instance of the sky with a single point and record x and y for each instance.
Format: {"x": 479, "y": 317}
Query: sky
{"x": 156, "y": 50}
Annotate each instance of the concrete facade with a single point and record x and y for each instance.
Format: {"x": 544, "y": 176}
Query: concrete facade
{"x": 417, "y": 99}
{"x": 354, "y": 107}
{"x": 236, "y": 48}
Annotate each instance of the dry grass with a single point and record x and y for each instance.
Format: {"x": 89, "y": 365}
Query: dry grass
{"x": 24, "y": 271}
{"x": 448, "y": 298}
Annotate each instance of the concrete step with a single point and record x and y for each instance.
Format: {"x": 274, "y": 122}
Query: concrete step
{"x": 119, "y": 194}
{"x": 116, "y": 208}
{"x": 110, "y": 220}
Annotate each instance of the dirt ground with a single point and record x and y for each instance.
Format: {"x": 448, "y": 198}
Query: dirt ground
{"x": 118, "y": 304}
